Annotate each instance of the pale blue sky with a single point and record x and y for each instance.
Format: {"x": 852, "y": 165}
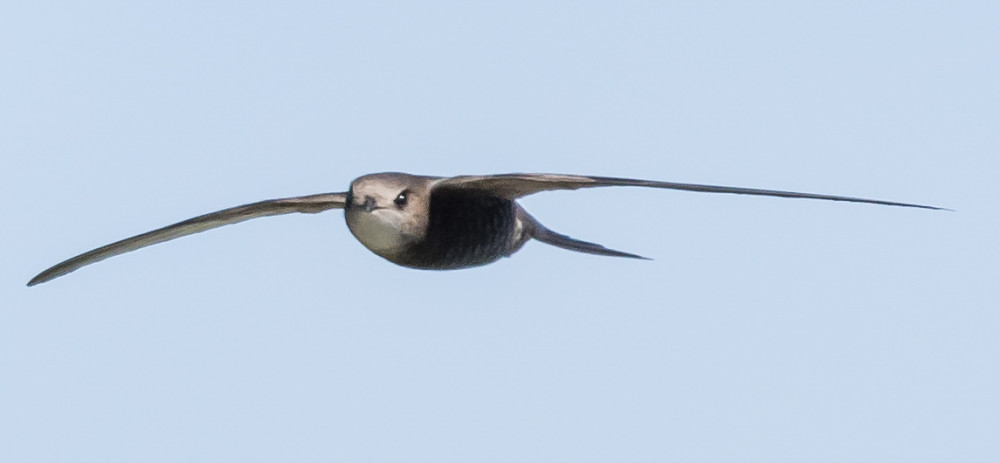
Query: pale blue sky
{"x": 765, "y": 329}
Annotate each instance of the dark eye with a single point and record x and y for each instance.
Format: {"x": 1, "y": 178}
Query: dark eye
{"x": 401, "y": 199}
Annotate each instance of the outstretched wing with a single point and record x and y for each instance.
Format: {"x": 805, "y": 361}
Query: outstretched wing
{"x": 513, "y": 186}
{"x": 306, "y": 204}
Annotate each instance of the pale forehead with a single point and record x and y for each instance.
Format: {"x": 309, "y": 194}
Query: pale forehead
{"x": 389, "y": 182}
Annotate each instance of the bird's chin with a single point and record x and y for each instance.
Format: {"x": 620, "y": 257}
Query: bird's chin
{"x": 377, "y": 231}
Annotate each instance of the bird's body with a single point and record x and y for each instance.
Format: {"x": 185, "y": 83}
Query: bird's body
{"x": 466, "y": 230}
{"x": 425, "y": 222}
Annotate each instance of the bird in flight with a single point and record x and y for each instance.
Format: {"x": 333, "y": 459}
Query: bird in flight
{"x": 426, "y": 222}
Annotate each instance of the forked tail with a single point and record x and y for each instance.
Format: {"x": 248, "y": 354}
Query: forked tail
{"x": 540, "y": 233}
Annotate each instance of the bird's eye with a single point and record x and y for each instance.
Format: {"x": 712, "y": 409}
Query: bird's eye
{"x": 400, "y": 200}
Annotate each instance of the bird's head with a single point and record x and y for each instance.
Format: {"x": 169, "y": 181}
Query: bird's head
{"x": 387, "y": 212}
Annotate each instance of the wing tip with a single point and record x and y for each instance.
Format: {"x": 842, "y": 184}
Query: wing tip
{"x": 41, "y": 278}
{"x": 617, "y": 253}
{"x": 50, "y": 274}
{"x": 917, "y": 206}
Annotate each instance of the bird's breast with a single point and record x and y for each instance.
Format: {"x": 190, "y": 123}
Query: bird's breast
{"x": 465, "y": 230}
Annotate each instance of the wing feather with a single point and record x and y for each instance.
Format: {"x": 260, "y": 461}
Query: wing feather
{"x": 304, "y": 204}
{"x": 513, "y": 186}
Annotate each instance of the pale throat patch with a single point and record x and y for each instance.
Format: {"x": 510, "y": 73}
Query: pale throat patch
{"x": 378, "y": 230}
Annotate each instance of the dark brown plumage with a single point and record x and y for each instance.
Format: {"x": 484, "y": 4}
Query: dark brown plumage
{"x": 430, "y": 222}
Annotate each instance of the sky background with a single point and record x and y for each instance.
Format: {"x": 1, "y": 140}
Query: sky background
{"x": 765, "y": 329}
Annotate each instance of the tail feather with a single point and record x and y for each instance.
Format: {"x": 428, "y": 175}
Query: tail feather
{"x": 547, "y": 236}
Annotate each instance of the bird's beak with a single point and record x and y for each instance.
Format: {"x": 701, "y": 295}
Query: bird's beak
{"x": 369, "y": 204}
